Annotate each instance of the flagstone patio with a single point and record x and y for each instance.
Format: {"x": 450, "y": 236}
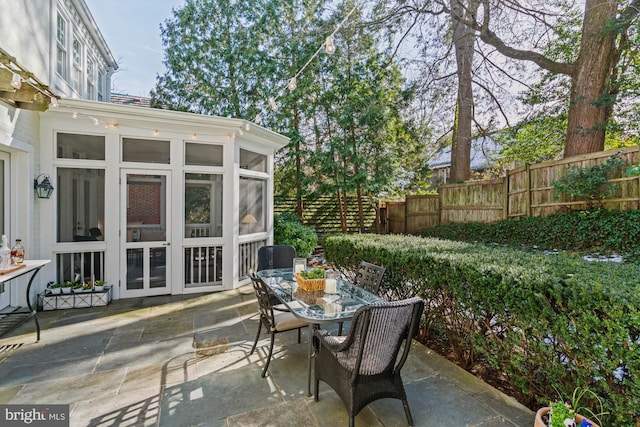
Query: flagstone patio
{"x": 184, "y": 361}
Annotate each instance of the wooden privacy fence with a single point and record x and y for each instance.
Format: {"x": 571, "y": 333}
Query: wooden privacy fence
{"x": 323, "y": 213}
{"x": 525, "y": 191}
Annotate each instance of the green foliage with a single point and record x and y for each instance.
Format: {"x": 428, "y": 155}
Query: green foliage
{"x": 600, "y": 230}
{"x": 550, "y": 323}
{"x": 316, "y": 273}
{"x": 288, "y": 230}
{"x": 588, "y": 183}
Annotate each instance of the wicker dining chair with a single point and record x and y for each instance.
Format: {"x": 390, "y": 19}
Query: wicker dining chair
{"x": 276, "y": 256}
{"x": 273, "y": 321}
{"x": 365, "y": 365}
{"x": 271, "y": 257}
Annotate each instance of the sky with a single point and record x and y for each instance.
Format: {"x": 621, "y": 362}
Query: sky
{"x": 131, "y": 28}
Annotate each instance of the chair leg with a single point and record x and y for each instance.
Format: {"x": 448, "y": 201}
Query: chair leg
{"x": 299, "y": 329}
{"x": 255, "y": 342}
{"x": 339, "y": 328}
{"x": 351, "y": 421}
{"x": 316, "y": 389}
{"x": 264, "y": 371}
{"x": 407, "y": 411}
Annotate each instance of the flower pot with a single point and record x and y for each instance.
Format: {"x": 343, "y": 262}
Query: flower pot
{"x": 66, "y": 290}
{"x": 544, "y": 411}
{"x": 98, "y": 288}
{"x": 55, "y": 291}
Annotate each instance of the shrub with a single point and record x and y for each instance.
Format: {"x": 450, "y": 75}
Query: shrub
{"x": 288, "y": 230}
{"x": 550, "y": 323}
{"x": 582, "y": 231}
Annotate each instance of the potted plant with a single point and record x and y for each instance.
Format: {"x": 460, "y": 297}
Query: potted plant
{"x": 99, "y": 285}
{"x": 66, "y": 287}
{"x": 566, "y": 413}
{"x": 54, "y": 288}
{"x": 86, "y": 287}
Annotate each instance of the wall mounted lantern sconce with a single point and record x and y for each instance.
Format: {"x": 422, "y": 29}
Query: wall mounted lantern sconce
{"x": 43, "y": 186}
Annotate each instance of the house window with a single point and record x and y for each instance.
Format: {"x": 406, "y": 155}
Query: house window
{"x": 80, "y": 209}
{"x": 61, "y": 50}
{"x": 73, "y": 146}
{"x": 100, "y": 85}
{"x": 203, "y": 154}
{"x": 77, "y": 67}
{"x": 253, "y": 199}
{"x": 202, "y": 205}
{"x": 145, "y": 151}
{"x": 91, "y": 82}
{"x": 253, "y": 161}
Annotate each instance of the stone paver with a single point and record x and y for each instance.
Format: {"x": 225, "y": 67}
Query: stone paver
{"x": 184, "y": 361}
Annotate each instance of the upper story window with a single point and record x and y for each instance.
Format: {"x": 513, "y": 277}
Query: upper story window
{"x": 101, "y": 85}
{"x": 61, "y": 50}
{"x": 77, "y": 64}
{"x": 91, "y": 82}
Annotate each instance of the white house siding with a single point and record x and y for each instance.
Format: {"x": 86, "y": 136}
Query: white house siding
{"x": 24, "y": 33}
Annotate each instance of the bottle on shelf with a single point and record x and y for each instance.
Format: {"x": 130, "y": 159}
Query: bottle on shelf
{"x": 17, "y": 252}
{"x": 5, "y": 254}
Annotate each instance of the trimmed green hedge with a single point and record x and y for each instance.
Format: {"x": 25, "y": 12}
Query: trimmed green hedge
{"x": 584, "y": 231}
{"x": 549, "y": 322}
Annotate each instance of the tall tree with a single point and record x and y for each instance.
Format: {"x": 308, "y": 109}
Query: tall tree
{"x": 593, "y": 91}
{"x": 464, "y": 39}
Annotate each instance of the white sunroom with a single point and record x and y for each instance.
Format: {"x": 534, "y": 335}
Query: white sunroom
{"x": 152, "y": 201}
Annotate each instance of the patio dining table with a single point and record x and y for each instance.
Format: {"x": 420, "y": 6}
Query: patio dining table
{"x": 316, "y": 307}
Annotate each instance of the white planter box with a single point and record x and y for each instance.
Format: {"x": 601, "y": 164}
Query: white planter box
{"x": 48, "y": 301}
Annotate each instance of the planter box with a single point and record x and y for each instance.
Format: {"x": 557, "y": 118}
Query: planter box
{"x": 48, "y": 301}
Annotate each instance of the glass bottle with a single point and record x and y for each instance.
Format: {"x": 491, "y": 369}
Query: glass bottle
{"x": 5, "y": 254}
{"x": 17, "y": 252}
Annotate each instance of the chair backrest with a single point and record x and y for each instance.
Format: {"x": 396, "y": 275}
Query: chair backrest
{"x": 369, "y": 276}
{"x": 276, "y": 256}
{"x": 377, "y": 335}
{"x": 264, "y": 302}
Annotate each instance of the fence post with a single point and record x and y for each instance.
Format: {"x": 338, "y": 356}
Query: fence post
{"x": 505, "y": 207}
{"x": 527, "y": 185}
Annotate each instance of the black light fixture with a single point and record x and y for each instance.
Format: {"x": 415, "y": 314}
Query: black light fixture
{"x": 43, "y": 186}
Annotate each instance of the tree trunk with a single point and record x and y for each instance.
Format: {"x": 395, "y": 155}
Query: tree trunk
{"x": 463, "y": 39}
{"x": 590, "y": 102}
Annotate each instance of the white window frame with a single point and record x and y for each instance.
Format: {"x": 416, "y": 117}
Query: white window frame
{"x": 61, "y": 44}
{"x": 101, "y": 81}
{"x": 77, "y": 77}
{"x": 91, "y": 79}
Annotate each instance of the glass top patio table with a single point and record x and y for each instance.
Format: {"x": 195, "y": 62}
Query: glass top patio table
{"x": 316, "y": 307}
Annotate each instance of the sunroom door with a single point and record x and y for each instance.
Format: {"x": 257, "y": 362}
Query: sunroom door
{"x": 145, "y": 232}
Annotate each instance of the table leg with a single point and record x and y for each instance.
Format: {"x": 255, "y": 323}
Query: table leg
{"x": 311, "y": 355}
{"x": 34, "y": 313}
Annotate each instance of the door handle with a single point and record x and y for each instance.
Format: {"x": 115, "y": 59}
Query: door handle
{"x": 166, "y": 244}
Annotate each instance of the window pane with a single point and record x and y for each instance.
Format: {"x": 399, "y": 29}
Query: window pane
{"x": 80, "y": 204}
{"x": 203, "y": 154}
{"x": 145, "y": 150}
{"x": 73, "y": 146}
{"x": 202, "y": 205}
{"x": 253, "y": 196}
{"x": 146, "y": 208}
{"x": 253, "y": 161}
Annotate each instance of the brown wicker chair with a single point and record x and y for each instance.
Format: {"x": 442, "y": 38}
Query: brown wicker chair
{"x": 279, "y": 321}
{"x": 365, "y": 365}
{"x": 272, "y": 257}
